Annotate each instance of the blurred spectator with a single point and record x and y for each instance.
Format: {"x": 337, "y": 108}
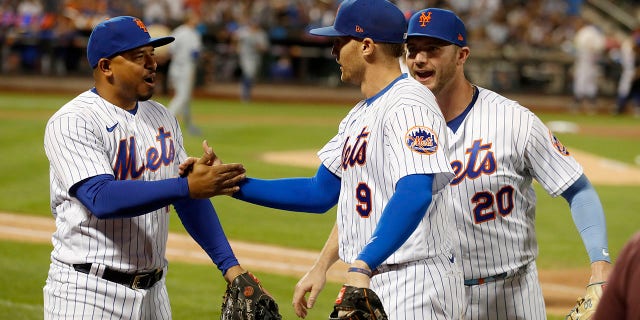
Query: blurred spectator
{"x": 68, "y": 46}
{"x": 517, "y": 34}
{"x": 589, "y": 45}
{"x": 156, "y": 12}
{"x": 629, "y": 82}
{"x": 322, "y": 13}
{"x": 281, "y": 70}
{"x": 251, "y": 43}
{"x": 185, "y": 52}
{"x": 497, "y": 29}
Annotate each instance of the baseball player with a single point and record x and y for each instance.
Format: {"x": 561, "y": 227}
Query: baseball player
{"x": 629, "y": 81}
{"x": 113, "y": 156}
{"x": 589, "y": 43}
{"x": 387, "y": 171}
{"x": 185, "y": 52}
{"x": 497, "y": 147}
{"x": 251, "y": 42}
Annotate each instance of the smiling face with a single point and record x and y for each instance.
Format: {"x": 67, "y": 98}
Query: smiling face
{"x": 433, "y": 62}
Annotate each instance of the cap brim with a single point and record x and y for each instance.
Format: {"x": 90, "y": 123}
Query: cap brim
{"x": 327, "y": 32}
{"x": 429, "y": 36}
{"x": 160, "y": 41}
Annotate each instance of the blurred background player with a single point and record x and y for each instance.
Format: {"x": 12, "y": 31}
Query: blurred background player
{"x": 629, "y": 82}
{"x": 251, "y": 43}
{"x": 185, "y": 53}
{"x": 589, "y": 45}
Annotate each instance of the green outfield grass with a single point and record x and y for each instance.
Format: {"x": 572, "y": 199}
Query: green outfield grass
{"x": 240, "y": 133}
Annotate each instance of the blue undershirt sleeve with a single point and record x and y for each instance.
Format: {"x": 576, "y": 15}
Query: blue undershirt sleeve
{"x": 400, "y": 218}
{"x": 316, "y": 194}
{"x": 107, "y": 198}
{"x": 200, "y": 219}
{"x": 588, "y": 216}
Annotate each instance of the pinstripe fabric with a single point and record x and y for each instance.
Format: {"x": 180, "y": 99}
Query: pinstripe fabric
{"x": 371, "y": 153}
{"x": 422, "y": 289}
{"x": 87, "y": 137}
{"x": 517, "y": 297}
{"x": 495, "y": 158}
{"x": 73, "y": 295}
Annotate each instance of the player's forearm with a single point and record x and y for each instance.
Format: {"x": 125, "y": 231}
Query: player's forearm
{"x": 329, "y": 253}
{"x": 317, "y": 194}
{"x": 107, "y": 198}
{"x": 588, "y": 216}
{"x": 201, "y": 221}
{"x": 400, "y": 217}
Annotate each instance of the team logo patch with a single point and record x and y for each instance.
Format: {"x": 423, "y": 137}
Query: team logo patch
{"x": 559, "y": 146}
{"x": 421, "y": 140}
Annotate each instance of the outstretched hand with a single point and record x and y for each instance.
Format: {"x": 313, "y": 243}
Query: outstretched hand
{"x": 208, "y": 176}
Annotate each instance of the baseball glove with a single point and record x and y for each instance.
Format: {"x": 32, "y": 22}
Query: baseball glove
{"x": 586, "y": 306}
{"x": 245, "y": 299}
{"x": 357, "y": 304}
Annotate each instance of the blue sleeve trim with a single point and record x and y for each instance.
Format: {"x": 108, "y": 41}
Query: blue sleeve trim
{"x": 588, "y": 216}
{"x": 200, "y": 219}
{"x": 400, "y": 218}
{"x": 317, "y": 194}
{"x": 107, "y": 198}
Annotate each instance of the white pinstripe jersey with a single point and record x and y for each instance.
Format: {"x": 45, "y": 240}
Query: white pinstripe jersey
{"x": 89, "y": 136}
{"x": 497, "y": 151}
{"x": 396, "y": 133}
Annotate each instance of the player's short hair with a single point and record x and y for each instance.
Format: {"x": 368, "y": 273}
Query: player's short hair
{"x": 396, "y": 50}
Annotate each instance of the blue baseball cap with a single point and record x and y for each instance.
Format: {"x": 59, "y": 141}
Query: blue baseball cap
{"x": 438, "y": 23}
{"x": 117, "y": 35}
{"x": 379, "y": 20}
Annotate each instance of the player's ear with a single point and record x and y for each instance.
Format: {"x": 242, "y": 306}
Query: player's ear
{"x": 367, "y": 46}
{"x": 104, "y": 65}
{"x": 463, "y": 55}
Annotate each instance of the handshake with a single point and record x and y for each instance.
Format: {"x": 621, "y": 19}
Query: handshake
{"x": 208, "y": 176}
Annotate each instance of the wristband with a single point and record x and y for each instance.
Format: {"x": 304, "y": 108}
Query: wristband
{"x": 361, "y": 270}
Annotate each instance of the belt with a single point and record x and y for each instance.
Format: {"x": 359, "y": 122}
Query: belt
{"x": 475, "y": 282}
{"x": 500, "y": 276}
{"x": 143, "y": 280}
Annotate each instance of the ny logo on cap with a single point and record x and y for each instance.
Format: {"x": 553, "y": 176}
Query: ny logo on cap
{"x": 424, "y": 19}
{"x": 460, "y": 37}
{"x": 359, "y": 29}
{"x": 141, "y": 25}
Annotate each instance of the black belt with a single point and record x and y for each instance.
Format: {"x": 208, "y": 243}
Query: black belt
{"x": 143, "y": 280}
